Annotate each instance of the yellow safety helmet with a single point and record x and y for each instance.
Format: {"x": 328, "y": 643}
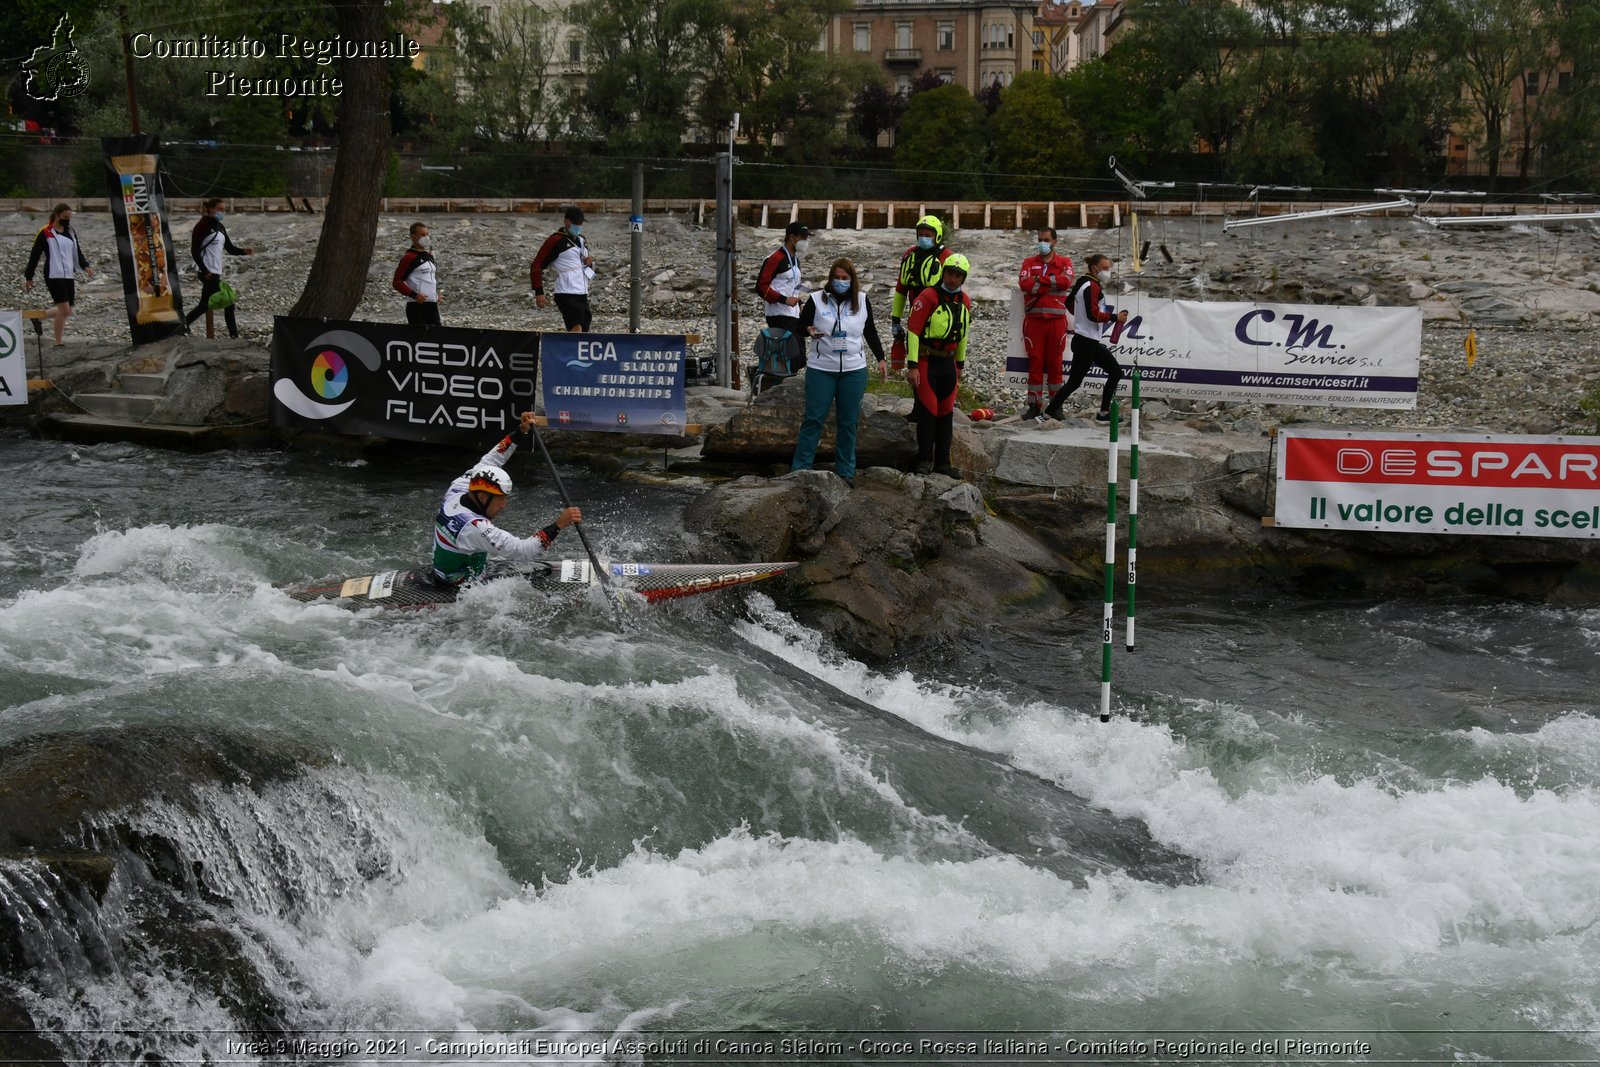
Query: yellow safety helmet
{"x": 932, "y": 222}
{"x": 957, "y": 261}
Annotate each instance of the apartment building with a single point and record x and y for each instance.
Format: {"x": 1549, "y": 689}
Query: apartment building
{"x": 969, "y": 42}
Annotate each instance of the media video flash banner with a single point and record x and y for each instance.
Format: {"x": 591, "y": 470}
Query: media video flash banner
{"x": 1319, "y": 355}
{"x": 439, "y": 385}
{"x": 1387, "y": 482}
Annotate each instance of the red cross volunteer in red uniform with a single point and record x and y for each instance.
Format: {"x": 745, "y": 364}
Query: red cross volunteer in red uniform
{"x": 1046, "y": 283}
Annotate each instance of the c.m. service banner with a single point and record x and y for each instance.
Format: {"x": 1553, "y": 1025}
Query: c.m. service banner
{"x": 629, "y": 382}
{"x": 440, "y": 385}
{"x": 1303, "y": 354}
{"x": 1438, "y": 483}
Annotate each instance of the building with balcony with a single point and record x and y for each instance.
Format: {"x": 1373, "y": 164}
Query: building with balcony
{"x": 967, "y": 42}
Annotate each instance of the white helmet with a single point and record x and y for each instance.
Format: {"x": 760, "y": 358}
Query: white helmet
{"x": 489, "y": 480}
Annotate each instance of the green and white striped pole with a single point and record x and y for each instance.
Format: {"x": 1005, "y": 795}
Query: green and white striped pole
{"x": 1133, "y": 503}
{"x": 1111, "y": 562}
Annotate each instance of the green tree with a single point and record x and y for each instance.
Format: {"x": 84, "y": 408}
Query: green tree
{"x": 940, "y": 147}
{"x": 1489, "y": 44}
{"x": 1116, "y": 103}
{"x": 874, "y": 109}
{"x": 503, "y": 65}
{"x": 1036, "y": 137}
{"x": 1195, "y": 51}
{"x": 1382, "y": 105}
{"x": 338, "y": 275}
{"x": 1571, "y": 127}
{"x": 644, "y": 59}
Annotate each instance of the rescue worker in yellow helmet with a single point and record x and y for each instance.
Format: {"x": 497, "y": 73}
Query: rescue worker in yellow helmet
{"x": 936, "y": 353}
{"x": 920, "y": 268}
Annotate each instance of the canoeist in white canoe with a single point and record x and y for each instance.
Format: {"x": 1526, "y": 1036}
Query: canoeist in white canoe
{"x": 464, "y": 533}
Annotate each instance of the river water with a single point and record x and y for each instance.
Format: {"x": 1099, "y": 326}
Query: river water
{"x": 451, "y": 836}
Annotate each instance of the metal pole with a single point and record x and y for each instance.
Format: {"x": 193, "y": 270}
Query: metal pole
{"x": 1133, "y": 503}
{"x": 636, "y": 263}
{"x": 725, "y": 282}
{"x": 1111, "y": 562}
{"x": 1355, "y": 209}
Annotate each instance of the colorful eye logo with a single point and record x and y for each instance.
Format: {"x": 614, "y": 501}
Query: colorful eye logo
{"x": 329, "y": 375}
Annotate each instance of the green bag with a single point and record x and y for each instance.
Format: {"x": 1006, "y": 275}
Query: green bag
{"x": 223, "y": 297}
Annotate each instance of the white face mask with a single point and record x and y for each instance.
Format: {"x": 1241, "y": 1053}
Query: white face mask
{"x": 1105, "y": 275}
{"x": 801, "y": 246}
{"x": 422, "y": 242}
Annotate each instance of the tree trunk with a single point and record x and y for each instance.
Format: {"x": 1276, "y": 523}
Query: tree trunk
{"x": 338, "y": 276}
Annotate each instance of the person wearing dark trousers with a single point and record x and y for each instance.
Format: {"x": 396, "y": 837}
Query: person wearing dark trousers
{"x": 936, "y": 350}
{"x": 779, "y": 283}
{"x": 838, "y": 323}
{"x": 1092, "y": 316}
{"x": 209, "y": 242}
{"x": 57, "y": 245}
{"x": 417, "y": 279}
{"x": 783, "y": 291}
{"x": 565, "y": 254}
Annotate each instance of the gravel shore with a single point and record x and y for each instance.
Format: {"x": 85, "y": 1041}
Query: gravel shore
{"x": 1531, "y": 293}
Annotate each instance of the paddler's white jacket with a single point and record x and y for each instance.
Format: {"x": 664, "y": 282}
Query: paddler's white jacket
{"x": 463, "y": 539}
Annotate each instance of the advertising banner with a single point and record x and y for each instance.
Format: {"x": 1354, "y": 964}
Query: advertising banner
{"x": 625, "y": 382}
{"x": 1303, "y": 354}
{"x": 1438, "y": 483}
{"x": 440, "y": 385}
{"x": 13, "y": 360}
{"x": 144, "y": 243}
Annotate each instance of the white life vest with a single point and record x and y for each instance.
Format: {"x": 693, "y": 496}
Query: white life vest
{"x": 786, "y": 282}
{"x": 840, "y": 348}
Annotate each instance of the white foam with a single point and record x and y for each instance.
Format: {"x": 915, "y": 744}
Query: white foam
{"x": 1312, "y": 864}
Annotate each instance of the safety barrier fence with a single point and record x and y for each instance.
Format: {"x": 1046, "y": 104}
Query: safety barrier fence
{"x": 848, "y": 214}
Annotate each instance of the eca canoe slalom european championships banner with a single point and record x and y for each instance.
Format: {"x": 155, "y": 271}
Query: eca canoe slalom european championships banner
{"x": 1438, "y": 483}
{"x": 1303, "y": 354}
{"x": 627, "y": 382}
{"x": 439, "y": 385}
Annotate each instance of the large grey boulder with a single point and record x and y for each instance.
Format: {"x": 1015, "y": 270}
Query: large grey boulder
{"x": 899, "y": 560}
{"x": 215, "y": 383}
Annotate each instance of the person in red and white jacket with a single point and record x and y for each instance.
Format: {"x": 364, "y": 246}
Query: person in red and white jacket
{"x": 1092, "y": 315}
{"x": 417, "y": 279}
{"x": 566, "y": 255}
{"x": 1046, "y": 281}
{"x": 779, "y": 283}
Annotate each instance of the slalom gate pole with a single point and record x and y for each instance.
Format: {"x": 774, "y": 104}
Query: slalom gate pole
{"x": 1111, "y": 562}
{"x": 1133, "y": 502}
{"x": 566, "y": 502}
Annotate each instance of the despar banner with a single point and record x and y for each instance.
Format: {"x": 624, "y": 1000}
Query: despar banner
{"x": 1387, "y": 481}
{"x": 629, "y": 382}
{"x": 13, "y": 360}
{"x": 1319, "y": 355}
{"x": 144, "y": 242}
{"x": 440, "y": 385}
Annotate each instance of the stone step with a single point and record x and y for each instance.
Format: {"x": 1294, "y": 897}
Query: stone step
{"x": 143, "y": 384}
{"x": 118, "y": 405}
